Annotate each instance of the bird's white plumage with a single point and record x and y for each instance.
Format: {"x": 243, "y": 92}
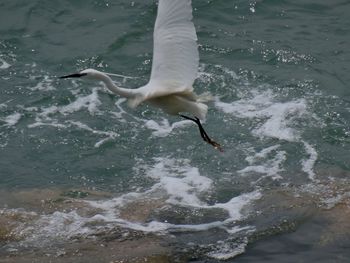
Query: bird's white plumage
{"x": 175, "y": 51}
{"x": 174, "y": 65}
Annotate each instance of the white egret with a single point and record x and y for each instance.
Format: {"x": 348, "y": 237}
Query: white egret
{"x": 174, "y": 67}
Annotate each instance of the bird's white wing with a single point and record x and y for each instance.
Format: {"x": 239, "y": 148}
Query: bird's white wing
{"x": 175, "y": 51}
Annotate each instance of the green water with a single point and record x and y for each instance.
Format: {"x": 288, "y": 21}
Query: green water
{"x": 279, "y": 74}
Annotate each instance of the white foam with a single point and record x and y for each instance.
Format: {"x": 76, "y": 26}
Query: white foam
{"x": 163, "y": 128}
{"x": 233, "y": 206}
{"x": 156, "y": 226}
{"x": 110, "y": 135}
{"x": 44, "y": 85}
{"x": 4, "y": 104}
{"x": 280, "y": 116}
{"x": 227, "y": 250}
{"x": 249, "y": 107}
{"x": 12, "y": 119}
{"x": 121, "y": 112}
{"x": 45, "y": 115}
{"x": 275, "y": 118}
{"x": 91, "y": 102}
{"x": 179, "y": 184}
{"x": 62, "y": 224}
{"x": 262, "y": 154}
{"x": 268, "y": 161}
{"x": 308, "y": 164}
{"x": 54, "y": 123}
{"x": 236, "y": 204}
{"x": 46, "y": 112}
{"x": 181, "y": 181}
{"x": 4, "y": 64}
{"x": 55, "y": 226}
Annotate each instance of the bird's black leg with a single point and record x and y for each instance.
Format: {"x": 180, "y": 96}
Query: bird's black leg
{"x": 201, "y": 130}
{"x": 204, "y": 135}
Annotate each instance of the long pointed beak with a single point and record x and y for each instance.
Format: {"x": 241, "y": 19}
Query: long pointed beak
{"x": 75, "y": 75}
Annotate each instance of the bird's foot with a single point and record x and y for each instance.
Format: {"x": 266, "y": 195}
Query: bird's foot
{"x": 203, "y": 133}
{"x": 216, "y": 145}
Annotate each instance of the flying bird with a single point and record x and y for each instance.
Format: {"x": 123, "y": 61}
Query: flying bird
{"x": 174, "y": 67}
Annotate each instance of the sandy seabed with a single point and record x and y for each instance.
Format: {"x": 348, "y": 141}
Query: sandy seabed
{"x": 321, "y": 228}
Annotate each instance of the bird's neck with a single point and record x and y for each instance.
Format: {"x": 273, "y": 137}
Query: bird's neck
{"x": 127, "y": 93}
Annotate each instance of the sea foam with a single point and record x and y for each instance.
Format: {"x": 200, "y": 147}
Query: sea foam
{"x": 268, "y": 162}
{"x": 12, "y": 119}
{"x": 4, "y": 64}
{"x": 178, "y": 184}
{"x": 275, "y": 118}
{"x": 272, "y": 119}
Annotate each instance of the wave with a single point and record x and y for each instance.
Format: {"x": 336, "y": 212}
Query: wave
{"x": 177, "y": 186}
{"x": 177, "y": 195}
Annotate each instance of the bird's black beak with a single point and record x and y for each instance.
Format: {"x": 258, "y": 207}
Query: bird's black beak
{"x": 75, "y": 75}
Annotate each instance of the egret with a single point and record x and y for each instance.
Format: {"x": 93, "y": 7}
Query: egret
{"x": 174, "y": 67}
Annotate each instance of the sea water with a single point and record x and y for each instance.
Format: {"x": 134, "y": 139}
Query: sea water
{"x": 76, "y": 163}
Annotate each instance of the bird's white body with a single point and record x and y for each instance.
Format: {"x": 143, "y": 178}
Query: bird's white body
{"x": 177, "y": 103}
{"x": 174, "y": 65}
{"x": 172, "y": 103}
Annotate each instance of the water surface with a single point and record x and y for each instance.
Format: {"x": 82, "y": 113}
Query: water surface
{"x": 79, "y": 170}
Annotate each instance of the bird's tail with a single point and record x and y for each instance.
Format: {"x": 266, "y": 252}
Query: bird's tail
{"x": 135, "y": 101}
{"x": 201, "y": 110}
{"x": 205, "y": 97}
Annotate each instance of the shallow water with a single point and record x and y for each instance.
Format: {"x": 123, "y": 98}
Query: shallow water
{"x": 78, "y": 166}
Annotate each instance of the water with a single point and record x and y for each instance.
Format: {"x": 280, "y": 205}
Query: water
{"x": 80, "y": 171}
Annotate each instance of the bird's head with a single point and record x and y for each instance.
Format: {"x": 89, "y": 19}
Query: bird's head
{"x": 86, "y": 73}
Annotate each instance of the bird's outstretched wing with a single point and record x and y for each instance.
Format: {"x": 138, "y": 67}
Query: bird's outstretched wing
{"x": 175, "y": 51}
